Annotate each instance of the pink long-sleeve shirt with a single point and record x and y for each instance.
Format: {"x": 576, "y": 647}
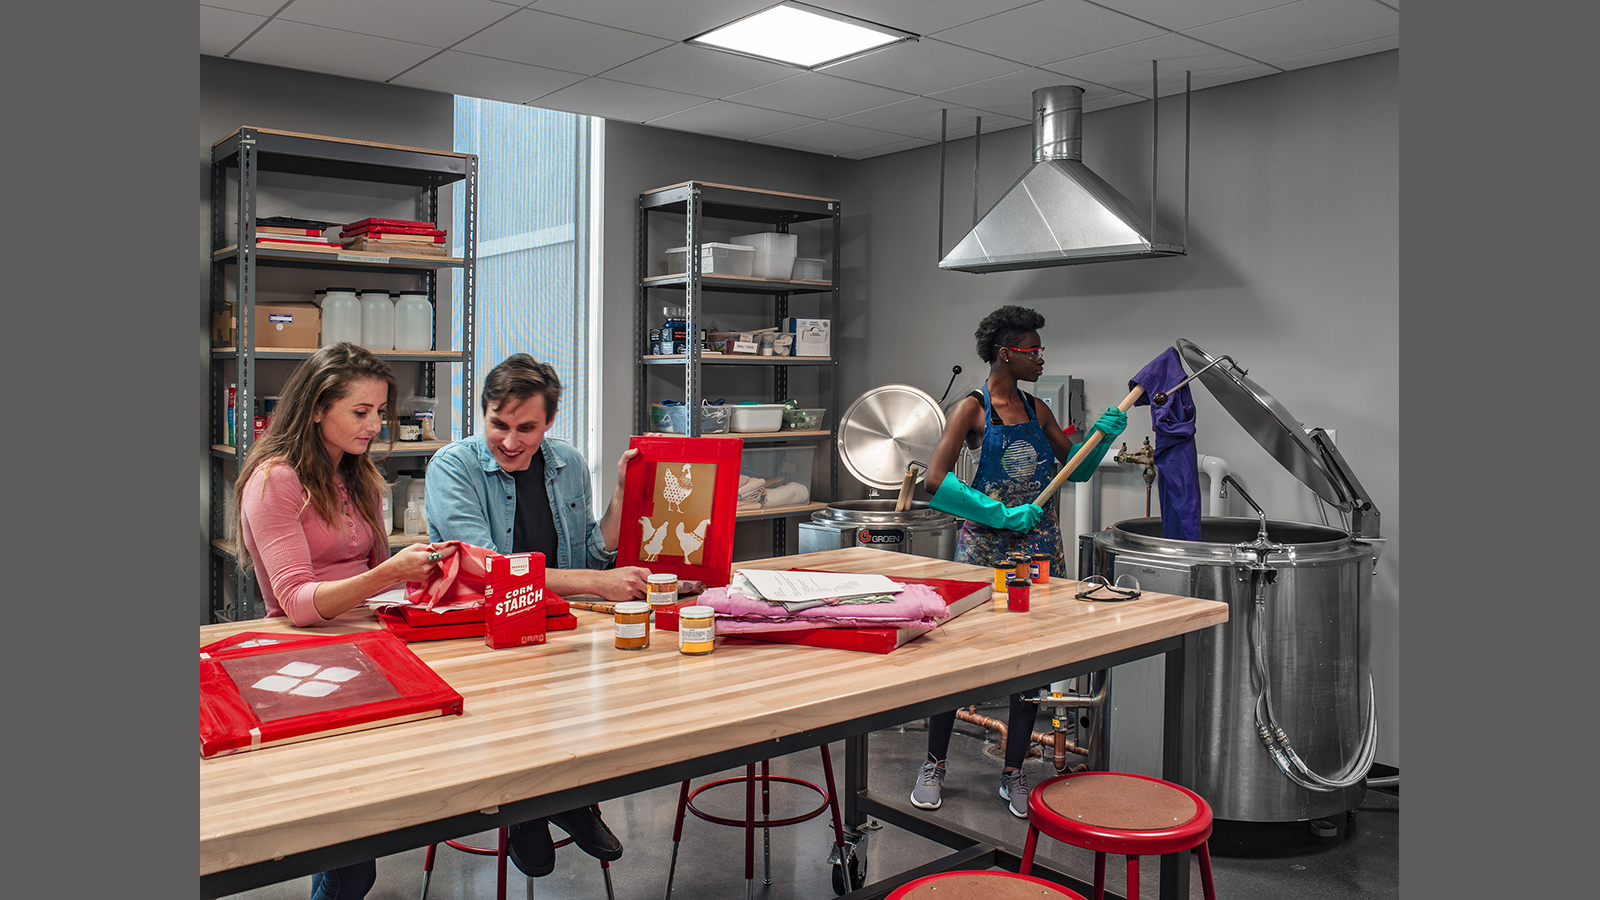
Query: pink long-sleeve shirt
{"x": 294, "y": 549}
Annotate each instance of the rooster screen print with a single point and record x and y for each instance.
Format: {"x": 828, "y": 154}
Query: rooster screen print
{"x": 678, "y": 508}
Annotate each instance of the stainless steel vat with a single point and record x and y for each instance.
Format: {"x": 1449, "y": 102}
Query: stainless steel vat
{"x": 1315, "y": 633}
{"x": 920, "y": 530}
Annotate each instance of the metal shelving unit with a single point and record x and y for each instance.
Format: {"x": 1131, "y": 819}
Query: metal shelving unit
{"x": 694, "y": 202}
{"x": 247, "y": 153}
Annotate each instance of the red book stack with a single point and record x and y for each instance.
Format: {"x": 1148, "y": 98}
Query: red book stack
{"x": 400, "y": 236}
{"x": 284, "y": 237}
{"x": 411, "y": 623}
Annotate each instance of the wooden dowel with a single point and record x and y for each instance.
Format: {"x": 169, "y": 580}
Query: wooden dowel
{"x": 1095, "y": 435}
{"x": 906, "y": 487}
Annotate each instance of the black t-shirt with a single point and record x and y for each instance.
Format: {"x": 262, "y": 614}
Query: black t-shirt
{"x": 994, "y": 414}
{"x": 535, "y": 528}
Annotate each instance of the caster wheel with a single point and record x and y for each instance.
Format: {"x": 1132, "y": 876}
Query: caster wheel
{"x": 858, "y": 874}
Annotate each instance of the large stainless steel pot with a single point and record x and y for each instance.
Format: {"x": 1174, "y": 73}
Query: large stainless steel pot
{"x": 920, "y": 530}
{"x": 1315, "y": 634}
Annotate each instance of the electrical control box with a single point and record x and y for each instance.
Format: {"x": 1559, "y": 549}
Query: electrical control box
{"x": 1064, "y": 395}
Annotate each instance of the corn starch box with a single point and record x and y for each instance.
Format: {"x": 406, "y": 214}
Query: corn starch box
{"x": 513, "y": 597}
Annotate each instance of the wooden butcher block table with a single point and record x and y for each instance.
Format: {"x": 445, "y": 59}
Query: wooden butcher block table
{"x": 560, "y": 725}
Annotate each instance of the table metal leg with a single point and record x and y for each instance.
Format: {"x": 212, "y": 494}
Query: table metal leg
{"x": 1177, "y": 755}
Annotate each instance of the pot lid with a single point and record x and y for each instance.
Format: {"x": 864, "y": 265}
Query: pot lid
{"x": 884, "y": 430}
{"x": 1274, "y": 427}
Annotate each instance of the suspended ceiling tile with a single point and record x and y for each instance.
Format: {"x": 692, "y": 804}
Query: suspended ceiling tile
{"x": 885, "y": 149}
{"x": 1179, "y": 16}
{"x": 556, "y": 42}
{"x": 426, "y": 22}
{"x": 1050, "y": 30}
{"x": 1297, "y": 29}
{"x": 1012, "y": 95}
{"x": 920, "y": 117}
{"x": 676, "y": 21}
{"x": 332, "y": 52}
{"x": 831, "y": 138}
{"x": 817, "y": 96}
{"x": 923, "y": 67}
{"x": 1227, "y": 76}
{"x": 922, "y": 16}
{"x": 1120, "y": 98}
{"x": 1349, "y": 51}
{"x": 699, "y": 71}
{"x": 721, "y": 118}
{"x": 454, "y": 72}
{"x": 263, "y": 8}
{"x": 615, "y": 100}
{"x": 222, "y": 29}
{"x": 1127, "y": 67}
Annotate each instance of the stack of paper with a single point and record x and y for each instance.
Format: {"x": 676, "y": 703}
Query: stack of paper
{"x": 795, "y": 591}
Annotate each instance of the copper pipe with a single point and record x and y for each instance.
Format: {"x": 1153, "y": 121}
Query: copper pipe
{"x": 1054, "y": 739}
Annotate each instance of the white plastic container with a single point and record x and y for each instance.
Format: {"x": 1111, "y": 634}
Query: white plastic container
{"x": 341, "y": 316}
{"x": 377, "y": 321}
{"x": 808, "y": 269}
{"x": 413, "y": 321}
{"x": 416, "y": 492}
{"x": 748, "y": 417}
{"x": 715, "y": 259}
{"x": 386, "y": 514}
{"x": 775, "y": 253}
{"x": 787, "y": 470}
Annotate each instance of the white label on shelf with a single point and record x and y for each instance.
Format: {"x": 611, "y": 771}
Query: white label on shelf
{"x": 361, "y": 258}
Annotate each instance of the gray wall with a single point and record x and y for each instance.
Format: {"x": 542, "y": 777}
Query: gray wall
{"x": 1293, "y": 270}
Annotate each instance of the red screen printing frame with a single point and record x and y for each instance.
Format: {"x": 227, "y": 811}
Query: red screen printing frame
{"x": 228, "y": 723}
{"x": 640, "y": 502}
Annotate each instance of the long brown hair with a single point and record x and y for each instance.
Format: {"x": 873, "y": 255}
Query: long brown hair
{"x": 295, "y": 440}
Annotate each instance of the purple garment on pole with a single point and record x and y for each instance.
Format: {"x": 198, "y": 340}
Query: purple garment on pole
{"x": 1177, "y": 465}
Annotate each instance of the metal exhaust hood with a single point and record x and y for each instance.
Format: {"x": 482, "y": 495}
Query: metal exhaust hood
{"x": 1059, "y": 213}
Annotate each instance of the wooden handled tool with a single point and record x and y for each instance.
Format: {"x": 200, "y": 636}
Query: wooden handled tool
{"x": 907, "y": 486}
{"x": 1083, "y": 449}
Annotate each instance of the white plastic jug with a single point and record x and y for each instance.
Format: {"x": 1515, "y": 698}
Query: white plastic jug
{"x": 416, "y": 493}
{"x": 341, "y": 316}
{"x": 413, "y": 321}
{"x": 377, "y": 321}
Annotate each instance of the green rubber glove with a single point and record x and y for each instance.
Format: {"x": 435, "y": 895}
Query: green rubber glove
{"x": 1111, "y": 422}
{"x": 959, "y": 499}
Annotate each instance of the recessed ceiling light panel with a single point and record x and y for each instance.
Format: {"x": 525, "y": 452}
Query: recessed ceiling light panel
{"x": 799, "y": 35}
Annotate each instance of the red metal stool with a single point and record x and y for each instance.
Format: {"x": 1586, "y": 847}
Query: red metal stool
{"x": 982, "y": 885}
{"x": 501, "y": 855}
{"x": 830, "y": 801}
{"x": 1114, "y": 812}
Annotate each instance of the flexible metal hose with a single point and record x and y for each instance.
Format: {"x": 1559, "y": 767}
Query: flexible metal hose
{"x": 1273, "y": 736}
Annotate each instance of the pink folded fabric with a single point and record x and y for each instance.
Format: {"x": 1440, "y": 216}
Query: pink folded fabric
{"x": 916, "y": 605}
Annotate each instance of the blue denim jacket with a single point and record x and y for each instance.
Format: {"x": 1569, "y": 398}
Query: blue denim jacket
{"x": 470, "y": 498}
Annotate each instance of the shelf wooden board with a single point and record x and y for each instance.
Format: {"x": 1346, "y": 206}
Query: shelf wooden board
{"x": 720, "y": 359}
{"x": 401, "y": 448}
{"x": 740, "y": 284}
{"x": 345, "y": 257}
{"x": 779, "y": 512}
{"x": 400, "y": 539}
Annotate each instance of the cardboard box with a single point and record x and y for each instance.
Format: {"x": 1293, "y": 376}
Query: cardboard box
{"x": 293, "y": 325}
{"x": 513, "y": 596}
{"x": 812, "y": 337}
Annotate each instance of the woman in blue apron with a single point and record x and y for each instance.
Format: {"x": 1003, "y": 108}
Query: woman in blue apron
{"x": 1019, "y": 443}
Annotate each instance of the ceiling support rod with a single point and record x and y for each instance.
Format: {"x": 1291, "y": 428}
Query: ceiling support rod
{"x": 943, "y": 116}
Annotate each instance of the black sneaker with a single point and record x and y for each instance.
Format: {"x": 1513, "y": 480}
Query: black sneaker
{"x": 531, "y": 849}
{"x": 589, "y": 833}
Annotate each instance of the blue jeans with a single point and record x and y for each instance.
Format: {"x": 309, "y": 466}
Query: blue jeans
{"x": 347, "y": 883}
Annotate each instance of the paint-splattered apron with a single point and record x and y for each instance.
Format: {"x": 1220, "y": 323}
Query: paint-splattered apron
{"x": 1014, "y": 464}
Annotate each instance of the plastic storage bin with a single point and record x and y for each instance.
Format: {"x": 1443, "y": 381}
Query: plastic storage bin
{"x": 775, "y": 253}
{"x": 804, "y": 419}
{"x": 808, "y": 269}
{"x": 757, "y": 416}
{"x": 715, "y": 259}
{"x": 787, "y": 471}
{"x": 675, "y": 419}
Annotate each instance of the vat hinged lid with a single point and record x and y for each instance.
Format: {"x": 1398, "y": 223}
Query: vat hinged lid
{"x": 884, "y": 430}
{"x": 1274, "y": 427}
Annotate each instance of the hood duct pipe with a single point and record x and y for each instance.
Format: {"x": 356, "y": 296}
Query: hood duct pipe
{"x": 1059, "y": 213}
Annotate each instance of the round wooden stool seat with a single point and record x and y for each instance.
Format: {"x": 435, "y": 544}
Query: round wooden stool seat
{"x": 1116, "y": 812}
{"x": 982, "y": 885}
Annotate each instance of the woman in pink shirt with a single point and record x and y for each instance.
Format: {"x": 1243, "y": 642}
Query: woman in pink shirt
{"x": 309, "y": 500}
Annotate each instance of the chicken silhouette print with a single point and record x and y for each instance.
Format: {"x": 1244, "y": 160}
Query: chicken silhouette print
{"x": 654, "y": 536}
{"x": 691, "y": 541}
{"x": 677, "y": 489}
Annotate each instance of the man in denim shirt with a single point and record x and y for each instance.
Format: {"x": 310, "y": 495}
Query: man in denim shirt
{"x": 512, "y": 491}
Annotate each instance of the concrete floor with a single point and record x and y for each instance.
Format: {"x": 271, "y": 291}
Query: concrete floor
{"x": 1250, "y": 861}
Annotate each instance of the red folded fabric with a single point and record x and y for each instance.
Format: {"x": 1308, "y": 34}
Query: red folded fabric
{"x": 460, "y": 578}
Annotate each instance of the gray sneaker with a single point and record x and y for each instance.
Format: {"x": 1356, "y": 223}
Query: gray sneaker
{"x": 1014, "y": 789}
{"x": 930, "y": 778}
